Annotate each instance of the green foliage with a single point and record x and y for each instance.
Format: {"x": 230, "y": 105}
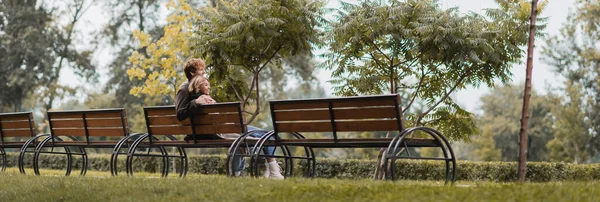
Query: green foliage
{"x": 414, "y": 45}
{"x": 575, "y": 55}
{"x": 500, "y": 121}
{"x": 360, "y": 169}
{"x": 570, "y": 129}
{"x": 240, "y": 39}
{"x": 25, "y": 41}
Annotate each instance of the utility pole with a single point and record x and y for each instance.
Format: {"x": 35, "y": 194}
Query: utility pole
{"x": 526, "y": 96}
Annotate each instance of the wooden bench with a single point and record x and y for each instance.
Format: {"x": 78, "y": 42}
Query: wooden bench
{"x": 81, "y": 129}
{"x": 291, "y": 118}
{"x": 14, "y": 127}
{"x": 164, "y": 130}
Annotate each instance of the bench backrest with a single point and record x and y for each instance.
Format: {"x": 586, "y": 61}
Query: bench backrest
{"x": 89, "y": 123}
{"x": 209, "y": 119}
{"x": 348, "y": 114}
{"x": 16, "y": 125}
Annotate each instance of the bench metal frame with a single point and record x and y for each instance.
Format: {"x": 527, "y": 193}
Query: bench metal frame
{"x": 72, "y": 129}
{"x": 162, "y": 125}
{"x": 14, "y": 125}
{"x": 350, "y": 114}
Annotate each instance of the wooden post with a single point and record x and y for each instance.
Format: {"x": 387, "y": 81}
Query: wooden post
{"x": 526, "y": 96}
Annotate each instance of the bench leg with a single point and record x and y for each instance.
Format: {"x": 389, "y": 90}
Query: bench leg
{"x": 123, "y": 143}
{"x": 30, "y": 143}
{"x": 397, "y": 147}
{"x": 183, "y": 160}
{"x": 3, "y": 153}
{"x": 131, "y": 154}
{"x": 68, "y": 153}
{"x": 270, "y": 140}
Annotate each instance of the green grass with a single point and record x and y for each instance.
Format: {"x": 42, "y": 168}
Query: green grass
{"x": 99, "y": 186}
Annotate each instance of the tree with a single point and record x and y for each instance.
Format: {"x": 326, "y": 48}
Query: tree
{"x": 571, "y": 137}
{"x": 429, "y": 52}
{"x": 238, "y": 40}
{"x": 500, "y": 121}
{"x": 575, "y": 55}
{"x": 63, "y": 50}
{"x": 125, "y": 17}
{"x": 25, "y": 39}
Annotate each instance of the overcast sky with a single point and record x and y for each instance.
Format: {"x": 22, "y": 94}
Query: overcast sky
{"x": 557, "y": 11}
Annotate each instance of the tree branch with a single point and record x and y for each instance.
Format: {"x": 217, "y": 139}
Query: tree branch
{"x": 268, "y": 61}
{"x": 463, "y": 76}
{"x": 237, "y": 93}
{"x": 414, "y": 94}
{"x": 376, "y": 47}
{"x": 257, "y": 101}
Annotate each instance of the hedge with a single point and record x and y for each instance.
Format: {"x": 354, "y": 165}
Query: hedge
{"x": 358, "y": 169}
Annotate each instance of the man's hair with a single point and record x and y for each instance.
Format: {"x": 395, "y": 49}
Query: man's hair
{"x": 192, "y": 65}
{"x": 195, "y": 83}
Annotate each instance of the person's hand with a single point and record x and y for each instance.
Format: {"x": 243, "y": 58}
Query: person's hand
{"x": 209, "y": 100}
{"x": 205, "y": 99}
{"x": 201, "y": 101}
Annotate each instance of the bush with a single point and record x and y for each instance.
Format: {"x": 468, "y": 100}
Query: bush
{"x": 354, "y": 168}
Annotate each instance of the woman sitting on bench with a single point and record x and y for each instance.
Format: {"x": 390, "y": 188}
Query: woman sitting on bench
{"x": 194, "y": 93}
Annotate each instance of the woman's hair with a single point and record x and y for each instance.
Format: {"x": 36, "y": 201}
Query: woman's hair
{"x": 195, "y": 83}
{"x": 192, "y": 65}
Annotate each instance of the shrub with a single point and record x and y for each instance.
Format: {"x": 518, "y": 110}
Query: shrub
{"x": 353, "y": 168}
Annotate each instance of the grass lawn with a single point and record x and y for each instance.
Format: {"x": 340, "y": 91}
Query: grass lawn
{"x": 99, "y": 186}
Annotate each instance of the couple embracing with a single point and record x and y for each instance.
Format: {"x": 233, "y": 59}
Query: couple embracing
{"x": 194, "y": 93}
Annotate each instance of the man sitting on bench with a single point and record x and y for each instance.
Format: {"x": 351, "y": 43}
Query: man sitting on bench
{"x": 194, "y": 93}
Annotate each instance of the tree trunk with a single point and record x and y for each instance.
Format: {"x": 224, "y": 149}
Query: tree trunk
{"x": 526, "y": 96}
{"x": 379, "y": 170}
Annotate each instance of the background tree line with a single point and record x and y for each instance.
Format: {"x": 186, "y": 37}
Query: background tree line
{"x": 258, "y": 51}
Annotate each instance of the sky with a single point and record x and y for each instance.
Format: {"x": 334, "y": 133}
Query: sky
{"x": 557, "y": 11}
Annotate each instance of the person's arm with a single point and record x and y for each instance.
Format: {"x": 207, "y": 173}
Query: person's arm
{"x": 183, "y": 106}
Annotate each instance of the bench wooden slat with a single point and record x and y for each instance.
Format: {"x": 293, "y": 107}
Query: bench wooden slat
{"x": 200, "y": 129}
{"x": 108, "y": 114}
{"x": 14, "y": 117}
{"x": 219, "y": 109}
{"x": 67, "y": 123}
{"x": 215, "y": 129}
{"x": 98, "y": 132}
{"x": 17, "y": 133}
{"x": 356, "y": 102}
{"x": 160, "y": 111}
{"x": 22, "y": 124}
{"x": 112, "y": 122}
{"x": 300, "y": 105}
{"x": 166, "y": 120}
{"x": 302, "y": 115}
{"x": 364, "y": 113}
{"x": 357, "y": 126}
{"x": 304, "y": 127}
{"x": 170, "y": 130}
{"x": 88, "y": 114}
{"x": 216, "y": 118}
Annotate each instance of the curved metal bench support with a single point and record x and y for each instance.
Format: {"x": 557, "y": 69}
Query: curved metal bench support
{"x": 3, "y": 153}
{"x": 397, "y": 147}
{"x": 68, "y": 152}
{"x": 239, "y": 147}
{"x": 116, "y": 151}
{"x": 131, "y": 153}
{"x": 30, "y": 141}
{"x": 183, "y": 164}
{"x": 287, "y": 155}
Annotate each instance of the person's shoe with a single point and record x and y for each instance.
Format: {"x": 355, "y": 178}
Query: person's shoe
{"x": 275, "y": 171}
{"x": 237, "y": 173}
{"x": 266, "y": 170}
